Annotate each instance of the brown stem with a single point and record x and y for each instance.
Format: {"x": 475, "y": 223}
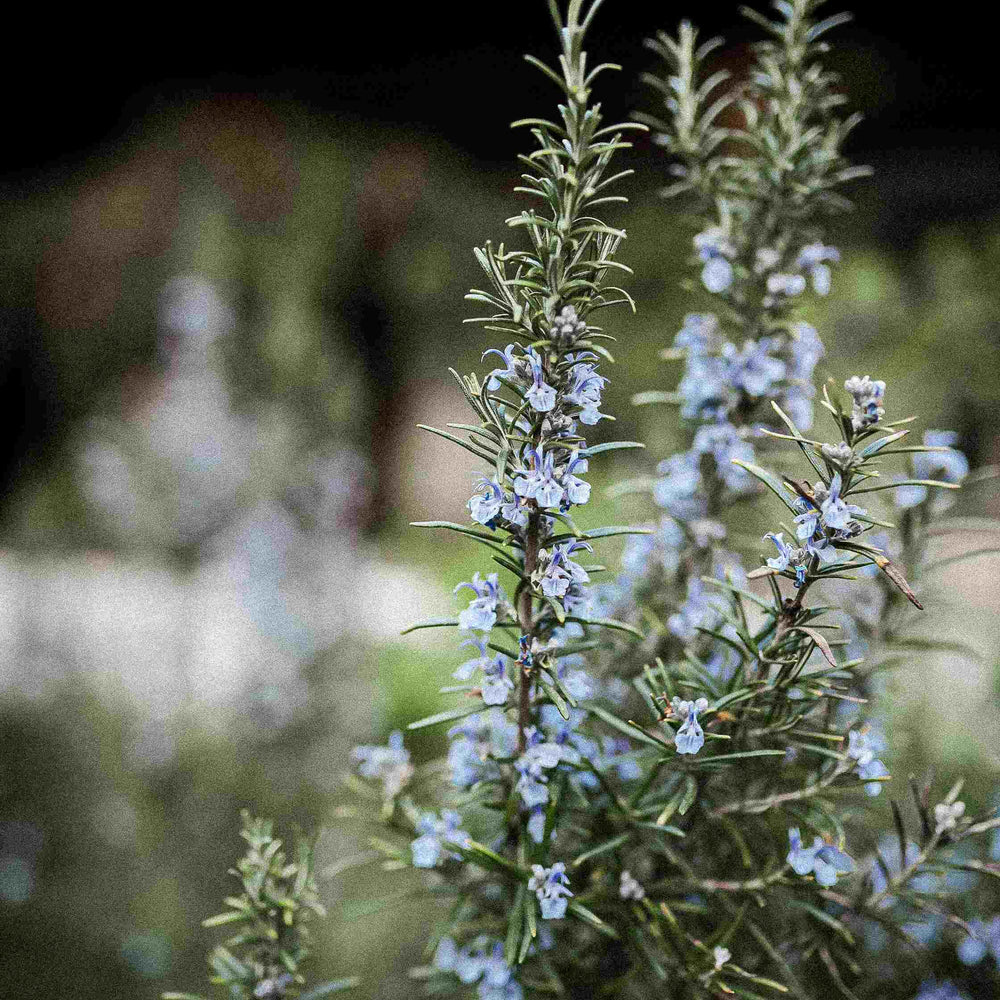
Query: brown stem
{"x": 526, "y": 620}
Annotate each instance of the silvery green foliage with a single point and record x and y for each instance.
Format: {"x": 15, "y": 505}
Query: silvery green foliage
{"x": 262, "y": 959}
{"x": 689, "y": 822}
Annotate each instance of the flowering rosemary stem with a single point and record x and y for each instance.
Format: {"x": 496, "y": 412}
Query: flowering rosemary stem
{"x": 526, "y": 620}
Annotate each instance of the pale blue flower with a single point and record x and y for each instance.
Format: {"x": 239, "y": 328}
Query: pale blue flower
{"x": 429, "y": 849}
{"x": 679, "y": 489}
{"x": 806, "y": 349}
{"x": 481, "y": 614}
{"x": 585, "y": 392}
{"x": 787, "y": 557}
{"x": 699, "y": 334}
{"x": 705, "y": 389}
{"x": 700, "y": 610}
{"x": 540, "y": 395}
{"x": 931, "y": 989}
{"x": 715, "y": 250}
{"x": 837, "y": 512}
{"x": 560, "y": 570}
{"x": 577, "y": 490}
{"x": 540, "y": 483}
{"x": 823, "y": 860}
{"x": 690, "y": 738}
{"x": 723, "y": 442}
{"x": 391, "y": 764}
{"x": 812, "y": 260}
{"x": 511, "y": 370}
{"x": 486, "y": 502}
{"x": 951, "y": 466}
{"x": 717, "y": 274}
{"x": 785, "y": 284}
{"x": 753, "y": 369}
{"x": 984, "y": 940}
{"x": 550, "y": 886}
{"x": 536, "y": 824}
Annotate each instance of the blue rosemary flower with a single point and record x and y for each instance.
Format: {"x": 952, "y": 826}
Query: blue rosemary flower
{"x": 429, "y": 848}
{"x": 699, "y": 334}
{"x": 679, "y": 489}
{"x": 823, "y": 860}
{"x": 577, "y": 490}
{"x": 867, "y": 395}
{"x": 482, "y": 964}
{"x": 511, "y": 371}
{"x": 585, "y": 391}
{"x": 715, "y": 249}
{"x": 481, "y": 614}
{"x": 985, "y": 939}
{"x": 753, "y": 369}
{"x": 550, "y": 887}
{"x": 540, "y": 394}
{"x": 812, "y": 260}
{"x": 559, "y": 572}
{"x": 486, "y": 502}
{"x": 931, "y": 989}
{"x": 836, "y": 512}
{"x": 787, "y": 557}
{"x": 496, "y": 684}
{"x": 690, "y": 738}
{"x": 540, "y": 483}
{"x": 862, "y": 746}
{"x": 540, "y": 756}
{"x": 391, "y": 764}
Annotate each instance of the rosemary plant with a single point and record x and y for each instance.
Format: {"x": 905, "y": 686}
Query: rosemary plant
{"x": 262, "y": 960}
{"x": 687, "y": 818}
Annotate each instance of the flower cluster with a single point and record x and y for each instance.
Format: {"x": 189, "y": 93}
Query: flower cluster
{"x": 823, "y": 860}
{"x": 390, "y": 764}
{"x": 551, "y": 887}
{"x": 481, "y": 963}
{"x": 429, "y": 848}
{"x": 862, "y": 746}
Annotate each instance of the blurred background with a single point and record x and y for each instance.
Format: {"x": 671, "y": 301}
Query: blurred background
{"x": 233, "y": 259}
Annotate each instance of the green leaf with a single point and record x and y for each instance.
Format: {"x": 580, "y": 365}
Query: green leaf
{"x": 821, "y": 643}
{"x": 905, "y": 482}
{"x": 723, "y": 758}
{"x": 608, "y": 532}
{"x": 823, "y": 918}
{"x": 652, "y": 396}
{"x": 556, "y": 699}
{"x": 689, "y": 795}
{"x": 629, "y": 729}
{"x": 876, "y": 446}
{"x": 770, "y": 480}
{"x": 602, "y": 848}
{"x": 515, "y": 924}
{"x": 430, "y": 623}
{"x": 460, "y": 528}
{"x": 582, "y": 913}
{"x": 334, "y": 986}
{"x": 230, "y": 917}
{"x": 449, "y": 716}
{"x": 611, "y": 623}
{"x": 479, "y": 453}
{"x": 610, "y": 446}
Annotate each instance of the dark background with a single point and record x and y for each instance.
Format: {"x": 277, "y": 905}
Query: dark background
{"x": 84, "y": 81}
